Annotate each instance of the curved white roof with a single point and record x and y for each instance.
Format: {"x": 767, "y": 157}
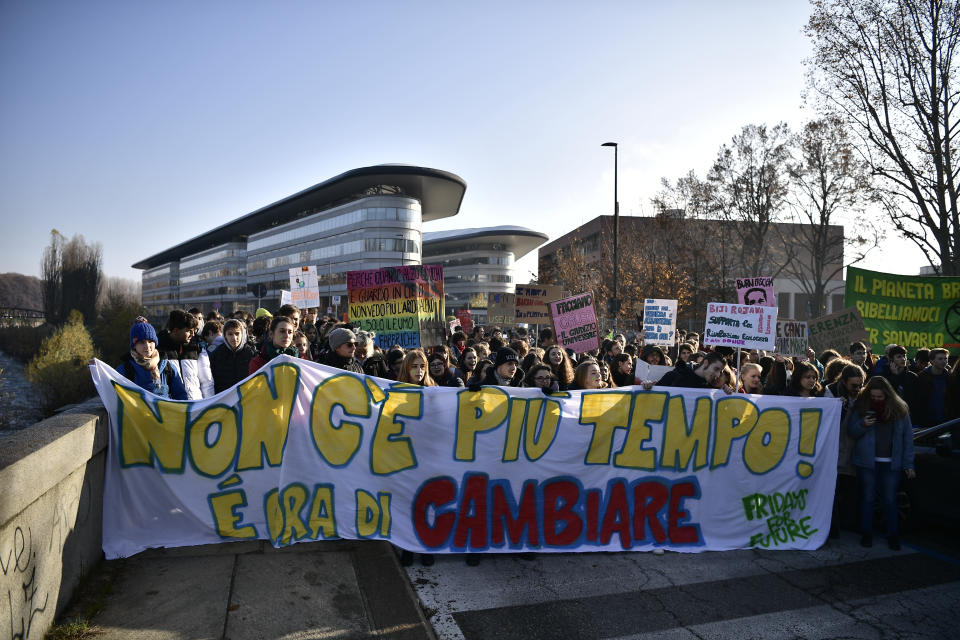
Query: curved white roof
{"x": 520, "y": 240}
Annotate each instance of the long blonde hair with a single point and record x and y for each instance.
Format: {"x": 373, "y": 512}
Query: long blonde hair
{"x": 415, "y": 354}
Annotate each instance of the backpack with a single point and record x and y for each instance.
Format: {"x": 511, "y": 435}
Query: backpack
{"x": 130, "y": 373}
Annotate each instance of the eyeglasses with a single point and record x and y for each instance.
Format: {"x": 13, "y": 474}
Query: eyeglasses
{"x": 352, "y": 345}
{"x": 541, "y": 378}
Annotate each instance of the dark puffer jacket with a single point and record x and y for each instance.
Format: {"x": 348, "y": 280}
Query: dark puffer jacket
{"x": 230, "y": 367}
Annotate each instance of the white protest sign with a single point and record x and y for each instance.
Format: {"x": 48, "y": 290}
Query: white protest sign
{"x": 738, "y": 325}
{"x": 792, "y": 337}
{"x": 659, "y": 321}
{"x": 285, "y": 297}
{"x": 299, "y": 451}
{"x": 649, "y": 372}
{"x": 304, "y": 289}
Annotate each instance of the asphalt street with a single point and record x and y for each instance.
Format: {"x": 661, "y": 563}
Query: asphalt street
{"x": 839, "y": 591}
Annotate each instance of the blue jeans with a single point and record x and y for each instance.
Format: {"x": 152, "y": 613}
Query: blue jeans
{"x": 887, "y": 480}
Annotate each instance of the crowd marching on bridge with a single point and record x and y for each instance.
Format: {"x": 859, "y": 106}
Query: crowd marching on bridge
{"x": 884, "y": 398}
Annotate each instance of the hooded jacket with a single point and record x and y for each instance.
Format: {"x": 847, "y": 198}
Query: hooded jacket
{"x": 231, "y": 366}
{"x": 191, "y": 362}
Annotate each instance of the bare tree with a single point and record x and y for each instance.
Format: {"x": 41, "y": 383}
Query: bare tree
{"x": 707, "y": 247}
{"x": 887, "y": 68}
{"x": 569, "y": 269}
{"x": 749, "y": 184}
{"x": 71, "y": 277}
{"x": 82, "y": 275}
{"x": 119, "y": 291}
{"x": 51, "y": 276}
{"x": 830, "y": 185}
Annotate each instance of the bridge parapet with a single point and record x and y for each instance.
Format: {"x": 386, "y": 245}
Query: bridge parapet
{"x": 51, "y": 506}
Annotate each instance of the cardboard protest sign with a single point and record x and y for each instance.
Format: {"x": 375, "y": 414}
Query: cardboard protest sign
{"x": 744, "y": 326}
{"x": 403, "y": 305}
{"x": 575, "y": 322}
{"x": 791, "y": 338}
{"x": 912, "y": 311}
{"x": 501, "y": 308}
{"x": 659, "y": 321}
{"x": 466, "y": 321}
{"x": 531, "y": 302}
{"x": 304, "y": 289}
{"x": 756, "y": 291}
{"x": 299, "y": 451}
{"x": 837, "y": 331}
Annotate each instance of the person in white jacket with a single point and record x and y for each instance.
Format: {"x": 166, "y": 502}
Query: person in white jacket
{"x": 176, "y": 344}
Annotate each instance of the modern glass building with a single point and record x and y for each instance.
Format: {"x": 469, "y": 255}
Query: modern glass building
{"x": 366, "y": 218}
{"x": 363, "y": 219}
{"x": 477, "y": 262}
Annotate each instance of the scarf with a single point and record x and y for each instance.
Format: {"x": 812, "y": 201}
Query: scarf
{"x": 270, "y": 352}
{"x": 150, "y": 364}
{"x": 880, "y": 409}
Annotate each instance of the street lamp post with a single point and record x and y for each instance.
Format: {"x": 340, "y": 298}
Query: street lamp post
{"x": 615, "y": 302}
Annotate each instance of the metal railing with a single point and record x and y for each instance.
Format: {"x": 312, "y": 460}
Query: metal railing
{"x": 936, "y": 429}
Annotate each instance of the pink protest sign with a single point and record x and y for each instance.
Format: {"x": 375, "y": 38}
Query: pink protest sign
{"x": 758, "y": 291}
{"x": 575, "y": 322}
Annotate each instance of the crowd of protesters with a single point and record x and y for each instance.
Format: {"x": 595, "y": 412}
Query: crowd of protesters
{"x": 884, "y": 398}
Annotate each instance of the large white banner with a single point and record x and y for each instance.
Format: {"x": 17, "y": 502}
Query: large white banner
{"x": 299, "y": 451}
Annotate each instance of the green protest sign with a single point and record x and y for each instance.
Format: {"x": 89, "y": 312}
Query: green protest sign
{"x": 912, "y": 311}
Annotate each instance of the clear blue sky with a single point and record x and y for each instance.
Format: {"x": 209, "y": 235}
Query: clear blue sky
{"x": 143, "y": 124}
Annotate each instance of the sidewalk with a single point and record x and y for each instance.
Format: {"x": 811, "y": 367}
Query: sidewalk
{"x": 246, "y": 590}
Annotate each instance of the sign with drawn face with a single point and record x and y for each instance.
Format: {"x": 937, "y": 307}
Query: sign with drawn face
{"x": 756, "y": 291}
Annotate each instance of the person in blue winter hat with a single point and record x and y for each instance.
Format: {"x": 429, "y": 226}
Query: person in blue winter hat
{"x": 144, "y": 366}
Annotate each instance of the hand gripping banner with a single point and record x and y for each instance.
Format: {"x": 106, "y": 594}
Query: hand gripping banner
{"x": 299, "y": 451}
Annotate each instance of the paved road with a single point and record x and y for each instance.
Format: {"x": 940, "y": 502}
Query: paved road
{"x": 839, "y": 591}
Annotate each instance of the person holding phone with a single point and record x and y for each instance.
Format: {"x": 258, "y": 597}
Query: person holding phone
{"x": 881, "y": 426}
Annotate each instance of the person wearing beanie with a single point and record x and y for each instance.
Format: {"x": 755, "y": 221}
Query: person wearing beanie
{"x": 343, "y": 346}
{"x": 230, "y": 362}
{"x": 505, "y": 372}
{"x": 262, "y": 313}
{"x": 145, "y": 366}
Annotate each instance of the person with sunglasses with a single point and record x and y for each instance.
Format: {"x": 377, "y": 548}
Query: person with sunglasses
{"x": 343, "y": 346}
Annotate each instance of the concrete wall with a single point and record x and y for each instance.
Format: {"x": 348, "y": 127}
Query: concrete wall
{"x": 51, "y": 503}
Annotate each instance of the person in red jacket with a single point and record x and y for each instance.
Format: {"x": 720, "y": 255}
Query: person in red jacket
{"x": 279, "y": 340}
